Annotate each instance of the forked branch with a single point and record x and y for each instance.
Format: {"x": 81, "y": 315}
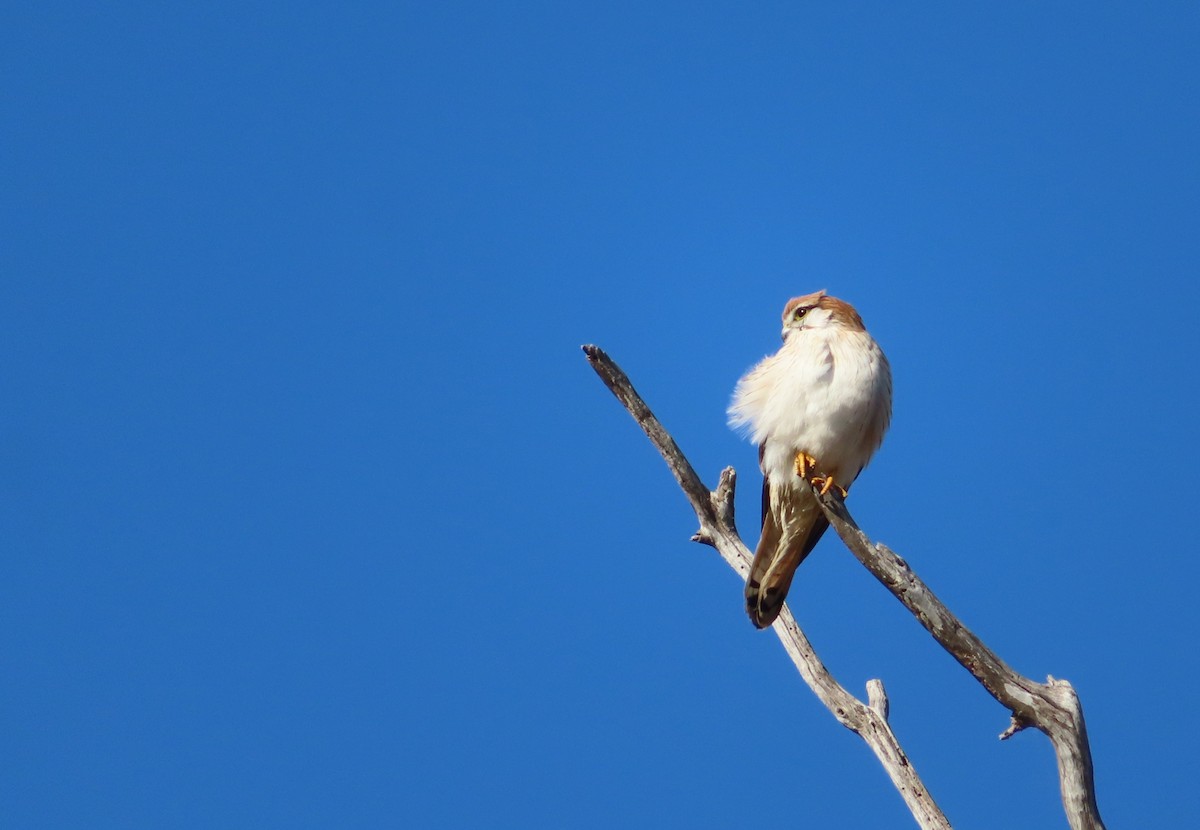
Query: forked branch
{"x": 715, "y": 512}
{"x": 1053, "y": 707}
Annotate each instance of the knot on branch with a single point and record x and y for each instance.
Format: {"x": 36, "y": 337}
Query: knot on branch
{"x": 1017, "y": 724}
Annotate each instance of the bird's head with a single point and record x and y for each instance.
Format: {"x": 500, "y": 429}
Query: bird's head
{"x": 819, "y": 311}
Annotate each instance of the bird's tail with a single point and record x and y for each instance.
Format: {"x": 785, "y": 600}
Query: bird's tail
{"x": 781, "y": 549}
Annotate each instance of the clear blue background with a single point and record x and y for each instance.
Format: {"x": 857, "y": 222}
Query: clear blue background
{"x": 313, "y": 514}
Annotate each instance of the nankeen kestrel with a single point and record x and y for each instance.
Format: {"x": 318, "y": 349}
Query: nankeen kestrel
{"x": 818, "y": 409}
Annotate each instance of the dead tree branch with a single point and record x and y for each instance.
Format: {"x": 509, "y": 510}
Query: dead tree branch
{"x": 1052, "y": 707}
{"x": 715, "y": 512}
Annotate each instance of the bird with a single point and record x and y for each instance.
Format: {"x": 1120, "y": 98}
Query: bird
{"x": 817, "y": 409}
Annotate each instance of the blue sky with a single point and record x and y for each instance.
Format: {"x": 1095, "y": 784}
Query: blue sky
{"x": 314, "y": 515}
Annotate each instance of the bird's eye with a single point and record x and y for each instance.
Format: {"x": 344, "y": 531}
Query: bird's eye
{"x": 799, "y": 313}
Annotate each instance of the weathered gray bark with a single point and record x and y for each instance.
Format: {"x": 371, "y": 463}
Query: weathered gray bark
{"x": 1052, "y": 707}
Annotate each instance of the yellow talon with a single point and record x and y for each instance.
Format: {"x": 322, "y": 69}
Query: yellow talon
{"x": 806, "y": 468}
{"x": 804, "y": 464}
{"x": 826, "y": 484}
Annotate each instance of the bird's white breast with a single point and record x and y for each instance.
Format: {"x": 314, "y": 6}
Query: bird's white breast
{"x": 827, "y": 393}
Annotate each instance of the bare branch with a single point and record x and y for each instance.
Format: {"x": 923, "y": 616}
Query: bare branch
{"x": 1053, "y": 707}
{"x": 715, "y": 512}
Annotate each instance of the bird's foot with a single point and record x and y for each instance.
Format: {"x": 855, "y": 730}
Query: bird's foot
{"x": 826, "y": 483}
{"x": 806, "y": 468}
{"x": 805, "y": 464}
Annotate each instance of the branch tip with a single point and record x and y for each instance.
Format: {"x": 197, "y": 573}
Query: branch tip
{"x": 877, "y": 697}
